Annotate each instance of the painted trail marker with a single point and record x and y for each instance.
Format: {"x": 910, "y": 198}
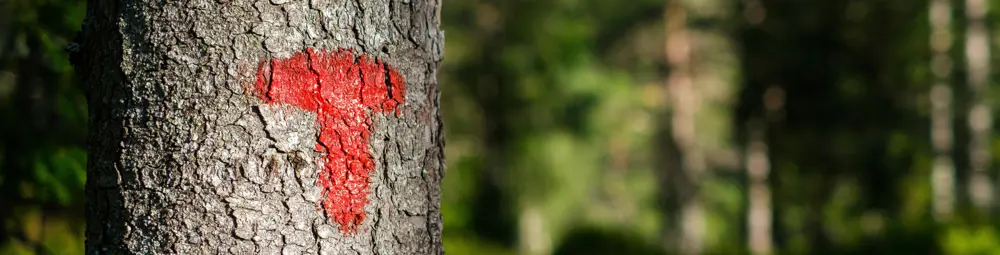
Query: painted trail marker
{"x": 341, "y": 89}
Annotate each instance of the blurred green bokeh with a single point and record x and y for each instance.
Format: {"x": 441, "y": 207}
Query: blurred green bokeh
{"x": 560, "y": 133}
{"x": 43, "y": 120}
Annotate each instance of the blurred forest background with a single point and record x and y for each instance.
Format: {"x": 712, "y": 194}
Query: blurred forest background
{"x": 634, "y": 127}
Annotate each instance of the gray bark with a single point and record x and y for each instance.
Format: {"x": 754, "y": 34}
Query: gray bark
{"x": 183, "y": 160}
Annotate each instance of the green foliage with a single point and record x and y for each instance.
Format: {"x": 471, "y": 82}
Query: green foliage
{"x": 971, "y": 240}
{"x": 44, "y": 117}
{"x": 532, "y": 107}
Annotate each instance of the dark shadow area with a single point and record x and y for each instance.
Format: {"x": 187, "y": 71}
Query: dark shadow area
{"x": 596, "y": 241}
{"x": 492, "y": 219}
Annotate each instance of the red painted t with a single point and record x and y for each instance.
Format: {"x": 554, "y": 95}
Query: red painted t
{"x": 342, "y": 90}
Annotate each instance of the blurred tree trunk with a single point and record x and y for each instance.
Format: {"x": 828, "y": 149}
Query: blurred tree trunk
{"x": 758, "y": 165}
{"x": 942, "y": 137}
{"x": 759, "y": 195}
{"x": 977, "y": 54}
{"x": 684, "y": 106}
{"x": 701, "y": 85}
{"x": 183, "y": 159}
{"x": 757, "y": 162}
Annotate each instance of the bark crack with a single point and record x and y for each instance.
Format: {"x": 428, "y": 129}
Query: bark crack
{"x": 358, "y": 37}
{"x": 263, "y": 119}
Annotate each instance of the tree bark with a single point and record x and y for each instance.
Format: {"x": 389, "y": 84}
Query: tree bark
{"x": 185, "y": 157}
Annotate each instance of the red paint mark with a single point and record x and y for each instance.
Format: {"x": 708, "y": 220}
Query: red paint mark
{"x": 341, "y": 89}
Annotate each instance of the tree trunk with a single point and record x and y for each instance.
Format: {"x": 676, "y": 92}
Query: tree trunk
{"x": 684, "y": 105}
{"x": 942, "y": 137}
{"x": 259, "y": 127}
{"x": 701, "y": 84}
{"x": 759, "y": 211}
{"x": 758, "y": 166}
{"x": 977, "y": 55}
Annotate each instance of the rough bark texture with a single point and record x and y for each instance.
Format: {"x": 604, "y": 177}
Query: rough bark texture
{"x": 184, "y": 160}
